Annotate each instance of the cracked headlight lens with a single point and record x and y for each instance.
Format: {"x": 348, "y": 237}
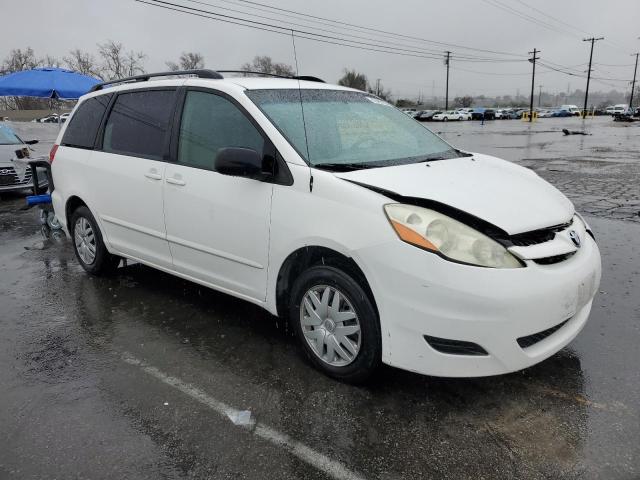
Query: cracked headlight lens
{"x": 447, "y": 237}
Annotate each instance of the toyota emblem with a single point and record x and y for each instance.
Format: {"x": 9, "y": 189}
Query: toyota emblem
{"x": 575, "y": 238}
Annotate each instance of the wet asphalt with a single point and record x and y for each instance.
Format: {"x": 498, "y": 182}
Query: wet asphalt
{"x": 134, "y": 376}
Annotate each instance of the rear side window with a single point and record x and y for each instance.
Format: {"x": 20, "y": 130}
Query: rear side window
{"x": 211, "y": 122}
{"x": 85, "y": 122}
{"x": 138, "y": 123}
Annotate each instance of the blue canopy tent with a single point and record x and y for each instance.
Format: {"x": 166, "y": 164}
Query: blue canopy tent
{"x": 48, "y": 82}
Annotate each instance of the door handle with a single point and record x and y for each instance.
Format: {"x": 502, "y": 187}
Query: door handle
{"x": 176, "y": 181}
{"x": 153, "y": 176}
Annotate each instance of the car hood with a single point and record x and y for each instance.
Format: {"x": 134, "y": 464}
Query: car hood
{"x": 513, "y": 198}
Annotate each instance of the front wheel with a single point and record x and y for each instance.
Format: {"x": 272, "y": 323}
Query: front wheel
{"x": 445, "y": 119}
{"x": 88, "y": 244}
{"x": 336, "y": 323}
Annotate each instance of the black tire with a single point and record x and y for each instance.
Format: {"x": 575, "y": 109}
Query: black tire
{"x": 445, "y": 119}
{"x": 104, "y": 263}
{"x": 368, "y": 357}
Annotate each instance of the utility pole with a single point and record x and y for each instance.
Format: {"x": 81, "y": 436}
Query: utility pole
{"x": 377, "y": 87}
{"x": 533, "y": 81}
{"x": 633, "y": 84}
{"x": 586, "y": 93}
{"x": 539, "y": 94}
{"x": 446, "y": 98}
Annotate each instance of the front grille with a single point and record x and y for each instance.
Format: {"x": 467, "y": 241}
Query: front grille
{"x": 9, "y": 177}
{"x": 531, "y": 340}
{"x": 535, "y": 237}
{"x": 554, "y": 259}
{"x": 455, "y": 347}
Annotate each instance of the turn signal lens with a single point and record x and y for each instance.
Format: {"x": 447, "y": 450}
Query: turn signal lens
{"x": 410, "y": 236}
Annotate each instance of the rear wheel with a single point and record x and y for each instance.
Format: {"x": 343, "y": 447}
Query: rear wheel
{"x": 88, "y": 245}
{"x": 445, "y": 119}
{"x": 336, "y": 323}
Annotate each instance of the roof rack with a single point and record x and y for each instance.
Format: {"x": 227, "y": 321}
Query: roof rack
{"x": 307, "y": 78}
{"x": 197, "y": 73}
{"x": 147, "y": 76}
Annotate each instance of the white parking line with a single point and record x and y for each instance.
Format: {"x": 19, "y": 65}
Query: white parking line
{"x": 314, "y": 458}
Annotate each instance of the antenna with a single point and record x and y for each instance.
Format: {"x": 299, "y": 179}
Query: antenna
{"x": 304, "y": 124}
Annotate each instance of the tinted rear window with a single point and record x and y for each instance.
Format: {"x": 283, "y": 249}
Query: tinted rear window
{"x": 138, "y": 123}
{"x": 83, "y": 126}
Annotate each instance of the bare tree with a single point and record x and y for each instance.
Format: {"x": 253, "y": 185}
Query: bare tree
{"x": 116, "y": 63}
{"x": 50, "y": 61}
{"x": 188, "y": 61}
{"x": 354, "y": 79}
{"x": 464, "y": 102}
{"x": 19, "y": 60}
{"x": 265, "y": 64}
{"x": 16, "y": 61}
{"x": 82, "y": 62}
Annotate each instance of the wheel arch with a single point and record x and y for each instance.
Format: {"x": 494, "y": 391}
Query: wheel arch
{"x": 311, "y": 255}
{"x": 71, "y": 205}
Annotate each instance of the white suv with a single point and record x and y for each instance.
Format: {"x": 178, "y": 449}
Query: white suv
{"x": 326, "y": 205}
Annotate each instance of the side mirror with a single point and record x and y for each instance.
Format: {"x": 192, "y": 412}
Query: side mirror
{"x": 31, "y": 142}
{"x": 238, "y": 162}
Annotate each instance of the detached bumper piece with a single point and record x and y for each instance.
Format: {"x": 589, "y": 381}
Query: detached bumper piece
{"x": 454, "y": 347}
{"x": 532, "y": 339}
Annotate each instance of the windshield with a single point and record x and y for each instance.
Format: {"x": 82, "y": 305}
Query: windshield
{"x": 349, "y": 129}
{"x": 7, "y": 137}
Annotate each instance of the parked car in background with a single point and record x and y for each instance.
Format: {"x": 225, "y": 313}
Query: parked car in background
{"x": 53, "y": 118}
{"x": 474, "y": 267}
{"x": 449, "y": 115}
{"x": 561, "y": 113}
{"x": 510, "y": 114}
{"x": 625, "y": 116}
{"x": 483, "y": 114}
{"x": 572, "y": 109}
{"x": 613, "y": 109}
{"x": 15, "y": 173}
{"x": 464, "y": 114}
{"x": 544, "y": 113}
{"x": 410, "y": 111}
{"x": 426, "y": 115}
{"x": 47, "y": 119}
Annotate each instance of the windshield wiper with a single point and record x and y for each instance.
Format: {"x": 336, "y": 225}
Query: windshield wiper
{"x": 343, "y": 167}
{"x": 447, "y": 156}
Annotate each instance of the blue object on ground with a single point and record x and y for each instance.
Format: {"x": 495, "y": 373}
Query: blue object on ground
{"x": 48, "y": 82}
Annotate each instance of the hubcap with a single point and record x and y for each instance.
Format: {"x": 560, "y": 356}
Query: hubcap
{"x": 84, "y": 240}
{"x": 330, "y": 325}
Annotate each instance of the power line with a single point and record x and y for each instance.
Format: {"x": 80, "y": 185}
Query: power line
{"x": 545, "y": 24}
{"x": 550, "y": 17}
{"x": 518, "y": 13}
{"x": 306, "y": 34}
{"x": 376, "y": 30}
{"x": 388, "y": 44}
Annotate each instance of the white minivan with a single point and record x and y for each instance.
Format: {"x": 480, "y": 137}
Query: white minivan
{"x": 375, "y": 238}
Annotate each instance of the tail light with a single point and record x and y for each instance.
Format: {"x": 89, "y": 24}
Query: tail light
{"x": 52, "y": 153}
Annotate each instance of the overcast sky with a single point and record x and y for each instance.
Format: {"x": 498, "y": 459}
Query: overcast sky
{"x": 55, "y": 27}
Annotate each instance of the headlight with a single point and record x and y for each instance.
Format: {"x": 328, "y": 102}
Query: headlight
{"x": 456, "y": 241}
